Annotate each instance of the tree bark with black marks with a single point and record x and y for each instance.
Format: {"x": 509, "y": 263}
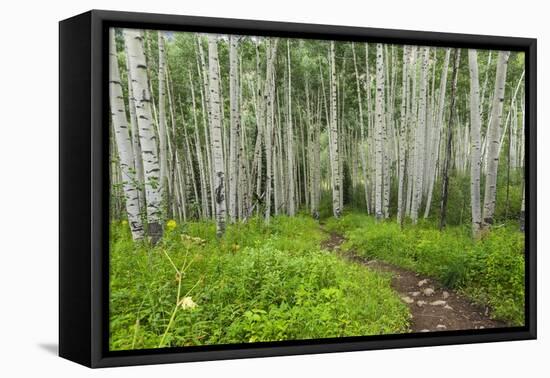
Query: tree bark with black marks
{"x": 378, "y": 132}
{"x": 148, "y": 140}
{"x": 162, "y": 127}
{"x": 403, "y": 134}
{"x": 235, "y": 125}
{"x": 493, "y": 140}
{"x": 269, "y": 92}
{"x": 436, "y": 137}
{"x": 420, "y": 137}
{"x": 290, "y": 142}
{"x": 475, "y": 142}
{"x": 123, "y": 142}
{"x": 214, "y": 117}
{"x": 334, "y": 146}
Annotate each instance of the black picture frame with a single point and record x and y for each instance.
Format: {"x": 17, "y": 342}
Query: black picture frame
{"x": 84, "y": 188}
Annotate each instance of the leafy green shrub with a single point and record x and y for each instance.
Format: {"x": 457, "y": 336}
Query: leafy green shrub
{"x": 497, "y": 274}
{"x": 258, "y": 283}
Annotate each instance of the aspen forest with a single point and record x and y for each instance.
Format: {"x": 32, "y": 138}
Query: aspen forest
{"x": 270, "y": 189}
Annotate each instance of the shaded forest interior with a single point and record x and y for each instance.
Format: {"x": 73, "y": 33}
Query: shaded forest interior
{"x": 244, "y": 133}
{"x": 246, "y": 125}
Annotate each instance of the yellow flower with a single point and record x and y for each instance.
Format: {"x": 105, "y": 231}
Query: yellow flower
{"x": 124, "y": 222}
{"x": 187, "y": 303}
{"x": 171, "y": 225}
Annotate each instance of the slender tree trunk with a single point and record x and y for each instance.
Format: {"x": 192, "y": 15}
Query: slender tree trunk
{"x": 205, "y": 206}
{"x": 475, "y": 141}
{"x": 507, "y": 204}
{"x": 269, "y": 92}
{"x": 447, "y": 161}
{"x": 316, "y": 162}
{"x": 432, "y": 171}
{"x": 205, "y": 94}
{"x": 244, "y": 176}
{"x": 290, "y": 143}
{"x": 216, "y": 135}
{"x": 513, "y": 105}
{"x": 281, "y": 156}
{"x": 412, "y": 122}
{"x": 136, "y": 148}
{"x": 387, "y": 135}
{"x": 259, "y": 115}
{"x": 162, "y": 128}
{"x": 403, "y": 134}
{"x": 362, "y": 152}
{"x": 189, "y": 166}
{"x": 420, "y": 137}
{"x": 370, "y": 132}
{"x": 522, "y": 212}
{"x": 235, "y": 126}
{"x": 379, "y": 130}
{"x": 140, "y": 86}
{"x": 483, "y": 96}
{"x": 123, "y": 143}
{"x": 334, "y": 147}
{"x": 171, "y": 148}
{"x": 493, "y": 140}
{"x": 304, "y": 189}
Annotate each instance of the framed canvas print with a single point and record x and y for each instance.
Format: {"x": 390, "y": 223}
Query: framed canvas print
{"x": 233, "y": 188}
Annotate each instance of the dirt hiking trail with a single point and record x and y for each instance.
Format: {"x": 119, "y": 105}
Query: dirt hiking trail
{"x": 432, "y": 307}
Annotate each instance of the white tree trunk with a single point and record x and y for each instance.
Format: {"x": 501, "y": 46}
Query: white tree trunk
{"x": 269, "y": 92}
{"x": 379, "y": 130}
{"x": 475, "y": 141}
{"x": 138, "y": 162}
{"x": 216, "y": 135}
{"x": 206, "y": 110}
{"x": 522, "y": 212}
{"x": 290, "y": 143}
{"x": 123, "y": 142}
{"x": 315, "y": 161}
{"x": 370, "y": 131}
{"x": 235, "y": 125}
{"x": 259, "y": 115}
{"x": 148, "y": 140}
{"x": 420, "y": 136}
{"x": 493, "y": 140}
{"x": 387, "y": 134}
{"x": 334, "y": 146}
{"x": 411, "y": 122}
{"x": 403, "y": 134}
{"x": 362, "y": 151}
{"x": 162, "y": 128}
{"x": 205, "y": 207}
{"x": 434, "y": 148}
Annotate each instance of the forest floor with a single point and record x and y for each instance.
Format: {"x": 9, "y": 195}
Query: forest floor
{"x": 432, "y": 307}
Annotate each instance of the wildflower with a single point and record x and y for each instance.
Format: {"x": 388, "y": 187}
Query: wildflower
{"x": 192, "y": 240}
{"x": 187, "y": 303}
{"x": 124, "y": 222}
{"x": 171, "y": 225}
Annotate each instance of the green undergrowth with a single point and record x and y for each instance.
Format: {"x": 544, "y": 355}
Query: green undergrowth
{"x": 258, "y": 283}
{"x": 489, "y": 271}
